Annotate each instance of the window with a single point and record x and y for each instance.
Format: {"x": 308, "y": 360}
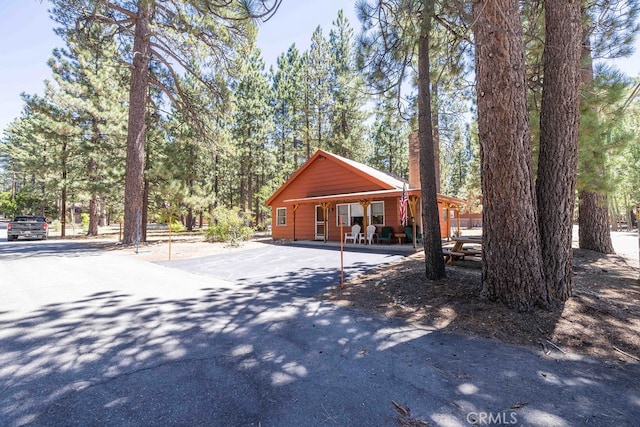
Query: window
{"x": 353, "y": 213}
{"x": 356, "y": 214}
{"x": 281, "y": 216}
{"x": 376, "y": 211}
{"x": 343, "y": 215}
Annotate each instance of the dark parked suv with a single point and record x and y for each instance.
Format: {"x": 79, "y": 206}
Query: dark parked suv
{"x": 28, "y": 226}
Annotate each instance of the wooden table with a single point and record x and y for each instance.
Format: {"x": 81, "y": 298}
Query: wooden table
{"x": 459, "y": 251}
{"x": 458, "y": 246}
{"x": 400, "y": 236}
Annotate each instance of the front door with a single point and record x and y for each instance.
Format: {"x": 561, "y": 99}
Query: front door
{"x": 319, "y": 223}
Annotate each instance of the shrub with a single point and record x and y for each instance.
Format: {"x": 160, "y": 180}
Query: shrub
{"x": 7, "y": 205}
{"x": 84, "y": 220}
{"x": 56, "y": 225}
{"x": 229, "y": 225}
{"x": 176, "y": 226}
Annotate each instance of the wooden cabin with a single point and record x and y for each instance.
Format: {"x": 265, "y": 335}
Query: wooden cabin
{"x": 329, "y": 191}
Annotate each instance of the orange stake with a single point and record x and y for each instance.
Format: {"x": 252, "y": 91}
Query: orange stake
{"x": 169, "y": 237}
{"x": 341, "y": 255}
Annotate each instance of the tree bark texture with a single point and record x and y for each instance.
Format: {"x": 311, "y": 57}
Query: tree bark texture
{"x": 593, "y": 223}
{"x": 63, "y": 210}
{"x": 145, "y": 210}
{"x": 434, "y": 261}
{"x": 593, "y": 213}
{"x": 435, "y": 120}
{"x": 511, "y": 255}
{"x": 93, "y": 216}
{"x": 559, "y": 127}
{"x": 93, "y": 202}
{"x": 103, "y": 211}
{"x": 133, "y": 184}
{"x": 63, "y": 201}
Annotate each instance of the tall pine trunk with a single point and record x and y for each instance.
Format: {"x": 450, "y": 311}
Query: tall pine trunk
{"x": 511, "y": 256}
{"x": 593, "y": 223}
{"x": 133, "y": 184}
{"x": 144, "y": 217}
{"x": 593, "y": 210}
{"x": 434, "y": 262}
{"x": 92, "y": 172}
{"x": 92, "y": 229}
{"x": 63, "y": 201}
{"x": 435, "y": 121}
{"x": 559, "y": 126}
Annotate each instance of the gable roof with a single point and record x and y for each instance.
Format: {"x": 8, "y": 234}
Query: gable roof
{"x": 385, "y": 180}
{"x": 394, "y": 182}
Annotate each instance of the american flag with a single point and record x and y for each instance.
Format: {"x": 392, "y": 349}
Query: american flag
{"x": 403, "y": 205}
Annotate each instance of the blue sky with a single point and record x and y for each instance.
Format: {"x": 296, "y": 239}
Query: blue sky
{"x": 27, "y": 39}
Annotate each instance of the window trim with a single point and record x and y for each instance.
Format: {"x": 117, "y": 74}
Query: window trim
{"x": 278, "y": 224}
{"x": 370, "y": 216}
{"x": 368, "y": 213}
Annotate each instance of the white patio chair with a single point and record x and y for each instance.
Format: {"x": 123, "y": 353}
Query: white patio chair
{"x": 354, "y": 235}
{"x": 371, "y": 232}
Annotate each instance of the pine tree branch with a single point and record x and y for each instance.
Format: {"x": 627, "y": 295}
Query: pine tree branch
{"x": 183, "y": 64}
{"x": 164, "y": 89}
{"x": 122, "y": 10}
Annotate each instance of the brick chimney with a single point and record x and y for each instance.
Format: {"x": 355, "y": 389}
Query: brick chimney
{"x": 414, "y": 160}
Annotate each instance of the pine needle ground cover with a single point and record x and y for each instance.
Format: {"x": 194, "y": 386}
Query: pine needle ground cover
{"x": 601, "y": 319}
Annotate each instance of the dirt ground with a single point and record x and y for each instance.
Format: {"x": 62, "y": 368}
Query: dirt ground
{"x": 601, "y": 319}
{"x": 185, "y": 247}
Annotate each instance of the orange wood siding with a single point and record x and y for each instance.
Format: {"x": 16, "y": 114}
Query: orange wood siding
{"x": 321, "y": 178}
{"x": 305, "y": 221}
{"x": 326, "y": 177}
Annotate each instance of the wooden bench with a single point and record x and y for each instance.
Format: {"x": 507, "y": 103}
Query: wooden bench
{"x": 472, "y": 252}
{"x": 449, "y": 255}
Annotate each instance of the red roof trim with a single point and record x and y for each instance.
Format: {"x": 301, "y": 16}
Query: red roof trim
{"x": 336, "y": 159}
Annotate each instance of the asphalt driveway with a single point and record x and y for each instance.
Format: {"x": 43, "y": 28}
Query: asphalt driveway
{"x": 101, "y": 339}
{"x": 287, "y": 270}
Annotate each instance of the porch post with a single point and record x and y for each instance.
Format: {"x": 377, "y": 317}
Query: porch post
{"x": 448, "y": 207}
{"x": 295, "y": 208}
{"x": 325, "y": 208}
{"x": 365, "y": 204}
{"x": 412, "y": 210}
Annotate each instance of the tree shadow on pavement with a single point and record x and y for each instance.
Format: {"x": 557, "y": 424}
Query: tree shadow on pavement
{"x": 600, "y": 319}
{"x": 21, "y": 249}
{"x": 273, "y": 353}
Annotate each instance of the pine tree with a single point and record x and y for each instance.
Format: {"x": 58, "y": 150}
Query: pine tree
{"x": 318, "y": 67}
{"x": 25, "y": 152}
{"x": 396, "y": 36}
{"x": 559, "y": 125}
{"x": 81, "y": 119}
{"x": 624, "y": 164}
{"x": 347, "y": 106}
{"x": 187, "y": 33}
{"x": 287, "y": 107}
{"x": 92, "y": 88}
{"x": 389, "y": 138}
{"x": 511, "y": 255}
{"x": 609, "y": 30}
{"x": 252, "y": 125}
